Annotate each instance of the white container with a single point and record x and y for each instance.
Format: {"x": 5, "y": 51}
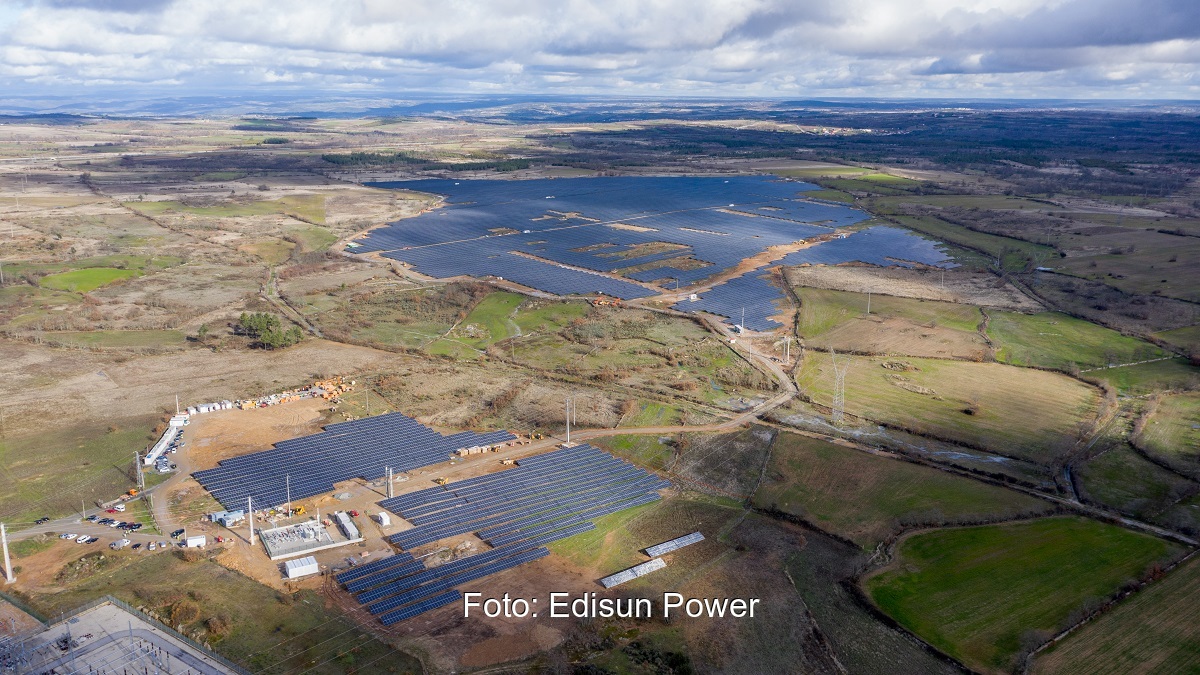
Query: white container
{"x": 197, "y": 541}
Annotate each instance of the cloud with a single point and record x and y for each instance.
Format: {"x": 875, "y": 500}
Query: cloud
{"x": 1048, "y": 48}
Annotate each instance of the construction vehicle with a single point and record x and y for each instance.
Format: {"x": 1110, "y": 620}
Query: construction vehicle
{"x": 298, "y": 511}
{"x": 440, "y": 480}
{"x": 132, "y": 492}
{"x": 507, "y": 461}
{"x": 602, "y": 301}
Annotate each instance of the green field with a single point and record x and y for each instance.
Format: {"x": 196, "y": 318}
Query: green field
{"x": 1055, "y": 340}
{"x": 822, "y": 171}
{"x": 99, "y": 457}
{"x": 641, "y": 449}
{"x": 1122, "y": 479}
{"x": 1013, "y": 253}
{"x": 1174, "y": 429}
{"x": 86, "y": 280}
{"x": 266, "y": 630}
{"x": 865, "y": 497}
{"x": 1187, "y": 338}
{"x": 1154, "y": 631}
{"x": 118, "y": 339}
{"x": 490, "y": 321}
{"x": 831, "y": 195}
{"x": 895, "y": 325}
{"x": 824, "y": 310}
{"x": 1147, "y": 378}
{"x": 978, "y": 592}
{"x": 972, "y": 403}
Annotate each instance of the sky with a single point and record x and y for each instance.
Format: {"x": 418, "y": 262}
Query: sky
{"x": 1089, "y": 49}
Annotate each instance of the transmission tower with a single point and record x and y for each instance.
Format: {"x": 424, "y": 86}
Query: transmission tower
{"x": 839, "y": 387}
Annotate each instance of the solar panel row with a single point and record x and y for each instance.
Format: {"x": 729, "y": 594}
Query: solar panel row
{"x": 373, "y": 566}
{"x": 420, "y": 608}
{"x": 310, "y": 465}
{"x": 450, "y": 581}
{"x": 716, "y": 222}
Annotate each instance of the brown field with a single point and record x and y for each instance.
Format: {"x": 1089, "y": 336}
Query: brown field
{"x": 977, "y": 404}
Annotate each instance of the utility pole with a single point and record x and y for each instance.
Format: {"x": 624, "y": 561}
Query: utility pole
{"x": 868, "y": 302}
{"x": 250, "y": 515}
{"x": 839, "y": 388}
{"x": 567, "y": 405}
{"x": 1, "y": 273}
{"x": 176, "y": 404}
{"x": 8, "y": 571}
{"x": 787, "y": 341}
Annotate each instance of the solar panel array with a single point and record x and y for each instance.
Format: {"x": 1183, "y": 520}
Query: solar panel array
{"x": 752, "y": 292}
{"x": 632, "y": 573}
{"x": 715, "y": 222}
{"x": 674, "y": 545}
{"x": 311, "y": 465}
{"x": 518, "y": 511}
{"x": 879, "y": 245}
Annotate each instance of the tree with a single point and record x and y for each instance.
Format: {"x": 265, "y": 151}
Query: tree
{"x": 202, "y": 333}
{"x": 268, "y": 330}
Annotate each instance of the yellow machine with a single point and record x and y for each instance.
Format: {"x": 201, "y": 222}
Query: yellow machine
{"x": 440, "y": 481}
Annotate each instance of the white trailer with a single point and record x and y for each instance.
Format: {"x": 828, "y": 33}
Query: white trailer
{"x": 197, "y": 541}
{"x": 384, "y": 519}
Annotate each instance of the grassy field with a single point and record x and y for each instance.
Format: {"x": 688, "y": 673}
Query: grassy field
{"x": 1124, "y": 480}
{"x": 831, "y": 195}
{"x": 1147, "y": 378}
{"x": 99, "y": 458}
{"x": 618, "y": 539}
{"x": 977, "y": 593}
{"x": 86, "y": 280}
{"x": 490, "y": 321}
{"x": 971, "y": 403}
{"x": 822, "y": 171}
{"x": 1186, "y": 338}
{"x": 865, "y": 498}
{"x": 641, "y": 449}
{"x": 265, "y": 630}
{"x": 895, "y": 325}
{"x": 1013, "y": 253}
{"x": 117, "y": 339}
{"x": 1174, "y": 429}
{"x": 1054, "y": 340}
{"x": 1154, "y": 631}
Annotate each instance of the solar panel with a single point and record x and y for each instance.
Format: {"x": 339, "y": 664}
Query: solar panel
{"x": 591, "y": 236}
{"x": 674, "y": 544}
{"x": 420, "y": 608}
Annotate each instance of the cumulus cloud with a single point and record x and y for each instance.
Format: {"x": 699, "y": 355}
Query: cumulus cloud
{"x": 1053, "y": 48}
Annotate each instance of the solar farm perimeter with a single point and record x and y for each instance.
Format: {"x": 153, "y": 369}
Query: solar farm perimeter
{"x": 634, "y": 237}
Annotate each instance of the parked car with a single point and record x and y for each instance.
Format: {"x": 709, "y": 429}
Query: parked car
{"x": 136, "y": 526}
{"x": 176, "y": 533}
{"x": 91, "y": 518}
{"x": 43, "y": 519}
{"x": 151, "y": 546}
{"x": 111, "y": 511}
{"x": 82, "y": 539}
{"x": 136, "y": 546}
{"x": 92, "y": 540}
{"x": 114, "y": 523}
{"x": 104, "y": 521}
{"x": 67, "y": 535}
{"x": 353, "y": 513}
